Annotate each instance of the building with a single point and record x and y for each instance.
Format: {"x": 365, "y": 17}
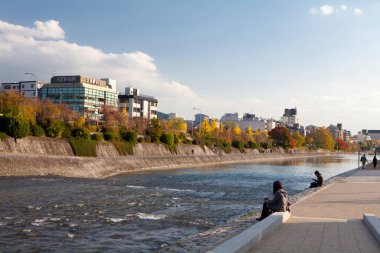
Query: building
{"x": 249, "y": 120}
{"x": 199, "y": 117}
{"x": 166, "y": 116}
{"x": 290, "y": 118}
{"x": 336, "y": 131}
{"x": 310, "y": 129}
{"x": 138, "y": 105}
{"x": 28, "y": 89}
{"x": 85, "y": 95}
{"x": 374, "y": 134}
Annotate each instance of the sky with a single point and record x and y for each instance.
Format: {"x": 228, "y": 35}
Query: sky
{"x": 260, "y": 57}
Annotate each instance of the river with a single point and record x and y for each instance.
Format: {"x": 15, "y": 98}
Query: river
{"x": 139, "y": 212}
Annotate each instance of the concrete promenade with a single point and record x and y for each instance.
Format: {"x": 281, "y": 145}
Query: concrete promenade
{"x": 331, "y": 219}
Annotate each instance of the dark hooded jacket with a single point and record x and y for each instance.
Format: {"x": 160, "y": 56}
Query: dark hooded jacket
{"x": 280, "y": 202}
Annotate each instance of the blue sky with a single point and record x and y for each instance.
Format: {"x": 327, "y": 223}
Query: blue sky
{"x": 219, "y": 56}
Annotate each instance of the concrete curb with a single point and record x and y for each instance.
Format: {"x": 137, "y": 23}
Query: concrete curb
{"x": 249, "y": 238}
{"x": 373, "y": 223}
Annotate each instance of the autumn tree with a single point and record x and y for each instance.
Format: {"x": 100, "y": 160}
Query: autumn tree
{"x": 341, "y": 145}
{"x": 154, "y": 130}
{"x": 281, "y": 136}
{"x": 205, "y": 127}
{"x": 299, "y": 139}
{"x": 322, "y": 138}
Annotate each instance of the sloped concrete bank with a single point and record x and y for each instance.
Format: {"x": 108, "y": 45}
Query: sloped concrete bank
{"x": 97, "y": 167}
{"x": 43, "y": 156}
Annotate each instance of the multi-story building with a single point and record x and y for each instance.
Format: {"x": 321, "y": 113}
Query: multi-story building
{"x": 84, "y": 95}
{"x": 27, "y": 89}
{"x": 138, "y": 105}
{"x": 336, "y": 131}
{"x": 199, "y": 117}
{"x": 374, "y": 134}
{"x": 290, "y": 117}
{"x": 249, "y": 120}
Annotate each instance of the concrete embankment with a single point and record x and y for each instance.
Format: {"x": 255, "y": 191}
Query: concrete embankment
{"x": 43, "y": 156}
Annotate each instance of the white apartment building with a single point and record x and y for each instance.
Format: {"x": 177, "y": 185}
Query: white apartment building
{"x": 249, "y": 120}
{"x": 28, "y": 89}
{"x": 138, "y": 105}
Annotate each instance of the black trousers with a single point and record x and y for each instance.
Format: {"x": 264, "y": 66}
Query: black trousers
{"x": 266, "y": 211}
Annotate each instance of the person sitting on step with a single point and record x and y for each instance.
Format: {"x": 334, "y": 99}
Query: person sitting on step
{"x": 279, "y": 203}
{"x": 317, "y": 182}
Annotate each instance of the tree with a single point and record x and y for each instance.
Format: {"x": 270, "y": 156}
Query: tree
{"x": 154, "y": 130}
{"x": 341, "y": 145}
{"x": 280, "y": 136}
{"x": 205, "y": 127}
{"x": 237, "y": 130}
{"x": 299, "y": 139}
{"x": 322, "y": 138}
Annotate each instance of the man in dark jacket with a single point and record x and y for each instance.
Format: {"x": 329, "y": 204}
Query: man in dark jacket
{"x": 279, "y": 203}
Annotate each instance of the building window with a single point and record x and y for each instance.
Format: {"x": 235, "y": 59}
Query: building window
{"x": 32, "y": 86}
{"x": 23, "y": 86}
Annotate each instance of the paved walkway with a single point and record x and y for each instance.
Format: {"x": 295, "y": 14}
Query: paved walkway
{"x": 331, "y": 220}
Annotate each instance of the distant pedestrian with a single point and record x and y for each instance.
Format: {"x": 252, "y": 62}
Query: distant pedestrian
{"x": 279, "y": 203}
{"x": 374, "y": 161}
{"x": 364, "y": 160}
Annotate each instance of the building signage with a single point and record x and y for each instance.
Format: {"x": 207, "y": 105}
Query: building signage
{"x": 77, "y": 79}
{"x": 65, "y": 79}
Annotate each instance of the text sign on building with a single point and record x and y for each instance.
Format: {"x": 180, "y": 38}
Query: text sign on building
{"x": 65, "y": 79}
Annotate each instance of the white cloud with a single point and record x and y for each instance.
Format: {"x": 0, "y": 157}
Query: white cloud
{"x": 42, "y": 49}
{"x": 327, "y": 9}
{"x": 45, "y": 30}
{"x": 358, "y": 12}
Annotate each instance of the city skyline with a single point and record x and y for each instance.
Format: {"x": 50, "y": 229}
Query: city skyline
{"x": 218, "y": 56}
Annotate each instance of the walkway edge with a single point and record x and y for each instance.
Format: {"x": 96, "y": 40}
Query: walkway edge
{"x": 373, "y": 223}
{"x": 249, "y": 238}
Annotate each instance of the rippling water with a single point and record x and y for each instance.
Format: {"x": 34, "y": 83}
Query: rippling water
{"x": 139, "y": 212}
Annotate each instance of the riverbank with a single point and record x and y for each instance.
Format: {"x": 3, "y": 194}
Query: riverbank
{"x": 331, "y": 220}
{"x": 202, "y": 242}
{"x": 34, "y": 156}
{"x": 100, "y": 167}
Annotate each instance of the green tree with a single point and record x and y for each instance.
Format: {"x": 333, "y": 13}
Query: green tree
{"x": 154, "y": 130}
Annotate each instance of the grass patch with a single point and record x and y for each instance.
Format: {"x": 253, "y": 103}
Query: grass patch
{"x": 123, "y": 147}
{"x": 82, "y": 147}
{"x": 3, "y": 136}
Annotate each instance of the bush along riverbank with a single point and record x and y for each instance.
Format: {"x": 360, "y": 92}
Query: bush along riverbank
{"x": 41, "y": 156}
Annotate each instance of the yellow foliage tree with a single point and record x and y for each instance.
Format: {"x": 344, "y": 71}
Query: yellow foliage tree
{"x": 237, "y": 130}
{"x": 322, "y": 138}
{"x": 214, "y": 125}
{"x": 205, "y": 126}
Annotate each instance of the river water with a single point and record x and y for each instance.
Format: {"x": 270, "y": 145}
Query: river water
{"x": 139, "y": 212}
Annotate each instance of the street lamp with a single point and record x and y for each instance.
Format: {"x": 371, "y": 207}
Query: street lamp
{"x": 30, "y": 74}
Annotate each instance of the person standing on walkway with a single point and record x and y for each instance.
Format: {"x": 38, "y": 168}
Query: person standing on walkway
{"x": 279, "y": 203}
{"x": 364, "y": 160}
{"x": 317, "y": 182}
{"x": 374, "y": 161}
